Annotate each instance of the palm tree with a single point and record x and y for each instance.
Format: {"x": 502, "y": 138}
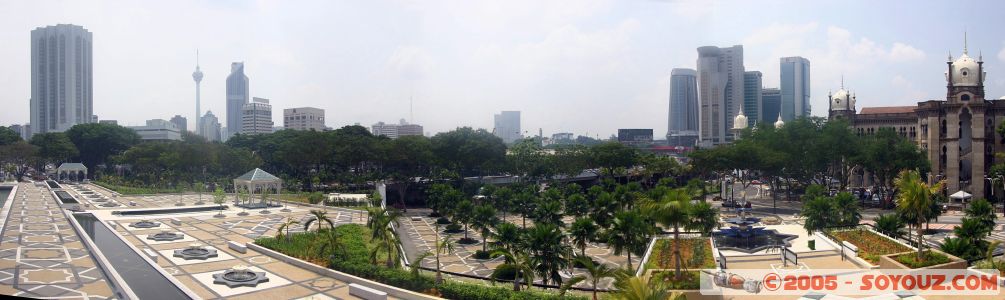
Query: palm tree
{"x": 914, "y": 198}
{"x": 549, "y": 211}
{"x": 628, "y": 234}
{"x": 321, "y": 217}
{"x": 549, "y": 254}
{"x": 596, "y": 272}
{"x": 333, "y": 243}
{"x": 265, "y": 201}
{"x": 522, "y": 262}
{"x": 982, "y": 211}
{"x": 582, "y": 231}
{"x": 286, "y": 225}
{"x": 847, "y": 209}
{"x": 704, "y": 218}
{"x": 381, "y": 231}
{"x": 637, "y": 288}
{"x": 889, "y": 224}
{"x": 463, "y": 212}
{"x": 508, "y": 236}
{"x": 959, "y": 247}
{"x": 818, "y": 213}
{"x": 417, "y": 265}
{"x": 503, "y": 199}
{"x": 673, "y": 210}
{"x": 483, "y": 219}
{"x": 444, "y": 246}
{"x": 525, "y": 204}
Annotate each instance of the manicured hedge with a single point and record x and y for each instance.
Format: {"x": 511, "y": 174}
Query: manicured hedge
{"x": 355, "y": 260}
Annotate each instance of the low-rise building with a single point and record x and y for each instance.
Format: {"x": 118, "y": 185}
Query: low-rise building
{"x": 304, "y": 118}
{"x": 158, "y": 130}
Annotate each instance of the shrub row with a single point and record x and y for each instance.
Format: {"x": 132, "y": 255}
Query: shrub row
{"x": 355, "y": 260}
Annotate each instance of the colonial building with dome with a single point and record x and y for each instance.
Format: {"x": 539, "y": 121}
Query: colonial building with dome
{"x": 957, "y": 133}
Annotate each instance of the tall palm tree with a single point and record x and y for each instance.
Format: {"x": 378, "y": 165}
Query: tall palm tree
{"x": 381, "y": 231}
{"x": 596, "y": 272}
{"x": 285, "y": 226}
{"x": 847, "y": 209}
{"x": 914, "y": 198}
{"x": 463, "y": 212}
{"x": 628, "y": 234}
{"x": 417, "y": 265}
{"x": 333, "y": 243}
{"x": 673, "y": 210}
{"x": 549, "y": 211}
{"x": 321, "y": 217}
{"x": 548, "y": 253}
{"x": 582, "y": 231}
{"x": 444, "y": 246}
{"x": 483, "y": 219}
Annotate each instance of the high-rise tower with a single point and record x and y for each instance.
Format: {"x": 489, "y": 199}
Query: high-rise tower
{"x": 197, "y": 76}
{"x": 237, "y": 97}
{"x": 720, "y": 92}
{"x": 61, "y": 78}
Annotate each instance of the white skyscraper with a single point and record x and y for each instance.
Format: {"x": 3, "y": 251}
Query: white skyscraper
{"x": 256, "y": 117}
{"x": 197, "y": 76}
{"x": 61, "y": 78}
{"x": 507, "y": 126}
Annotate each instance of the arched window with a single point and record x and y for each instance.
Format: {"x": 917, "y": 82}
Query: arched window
{"x": 965, "y": 97}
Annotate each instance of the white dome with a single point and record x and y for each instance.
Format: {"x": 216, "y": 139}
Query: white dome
{"x": 965, "y": 71}
{"x": 779, "y": 123}
{"x": 842, "y": 100}
{"x": 740, "y": 122}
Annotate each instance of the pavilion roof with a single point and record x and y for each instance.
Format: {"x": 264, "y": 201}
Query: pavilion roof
{"x": 258, "y": 175}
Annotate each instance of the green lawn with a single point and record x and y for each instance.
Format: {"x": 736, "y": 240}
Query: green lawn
{"x": 929, "y": 258}
{"x": 129, "y": 190}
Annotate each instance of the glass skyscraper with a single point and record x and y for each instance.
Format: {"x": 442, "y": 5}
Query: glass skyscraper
{"x": 237, "y": 96}
{"x": 770, "y": 100}
{"x": 752, "y": 96}
{"x": 795, "y": 87}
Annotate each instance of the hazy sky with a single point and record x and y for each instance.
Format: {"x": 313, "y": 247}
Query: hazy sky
{"x": 576, "y": 66}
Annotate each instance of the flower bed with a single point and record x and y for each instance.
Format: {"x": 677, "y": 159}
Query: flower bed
{"x": 930, "y": 258}
{"x": 695, "y": 253}
{"x": 870, "y": 244}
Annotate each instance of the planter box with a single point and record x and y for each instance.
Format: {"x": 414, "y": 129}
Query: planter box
{"x": 888, "y": 262}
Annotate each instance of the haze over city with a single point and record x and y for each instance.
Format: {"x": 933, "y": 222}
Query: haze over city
{"x": 587, "y": 67}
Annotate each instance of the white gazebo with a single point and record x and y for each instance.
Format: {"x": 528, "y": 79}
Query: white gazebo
{"x": 962, "y": 196}
{"x": 259, "y": 181}
{"x": 76, "y": 171}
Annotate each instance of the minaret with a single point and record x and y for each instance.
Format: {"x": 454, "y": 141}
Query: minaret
{"x": 197, "y": 76}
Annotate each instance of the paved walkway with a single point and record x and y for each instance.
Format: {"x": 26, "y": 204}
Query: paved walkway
{"x": 41, "y": 256}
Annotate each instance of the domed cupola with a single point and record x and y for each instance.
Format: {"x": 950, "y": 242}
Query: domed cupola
{"x": 740, "y": 122}
{"x": 842, "y": 100}
{"x": 965, "y": 71}
{"x": 779, "y": 123}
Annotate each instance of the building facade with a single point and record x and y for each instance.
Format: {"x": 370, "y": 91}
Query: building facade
{"x": 61, "y": 78}
{"x": 752, "y": 97}
{"x": 238, "y": 94}
{"x": 180, "y": 122}
{"x": 257, "y": 117}
{"x": 771, "y": 99}
{"x": 720, "y": 92}
{"x": 507, "y": 126}
{"x": 795, "y": 86}
{"x": 394, "y": 131}
{"x": 210, "y": 127}
{"x": 304, "y": 118}
{"x": 682, "y": 120}
{"x": 158, "y": 130}
{"x": 957, "y": 133}
{"x": 635, "y": 137}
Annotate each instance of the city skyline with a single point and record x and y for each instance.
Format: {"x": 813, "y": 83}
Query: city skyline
{"x": 548, "y": 57}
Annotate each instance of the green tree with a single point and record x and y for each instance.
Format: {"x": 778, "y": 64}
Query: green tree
{"x": 219, "y": 197}
{"x": 549, "y": 254}
{"x": 982, "y": 211}
{"x": 285, "y": 226}
{"x": 54, "y": 147}
{"x": 469, "y": 152}
{"x": 483, "y": 219}
{"x": 582, "y": 231}
{"x": 379, "y": 222}
{"x": 889, "y": 224}
{"x": 613, "y": 155}
{"x": 847, "y": 209}
{"x": 522, "y": 261}
{"x": 914, "y": 198}
{"x": 407, "y": 157}
{"x": 96, "y": 142}
{"x": 818, "y": 214}
{"x": 628, "y": 234}
{"x": 8, "y": 136}
{"x": 597, "y": 272}
{"x": 443, "y": 246}
{"x": 463, "y": 213}
{"x": 630, "y": 287}
{"x": 321, "y": 217}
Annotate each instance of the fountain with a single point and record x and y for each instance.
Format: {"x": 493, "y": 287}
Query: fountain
{"x": 166, "y": 235}
{"x": 143, "y": 223}
{"x": 195, "y": 251}
{"x": 238, "y": 276}
{"x": 744, "y": 237}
